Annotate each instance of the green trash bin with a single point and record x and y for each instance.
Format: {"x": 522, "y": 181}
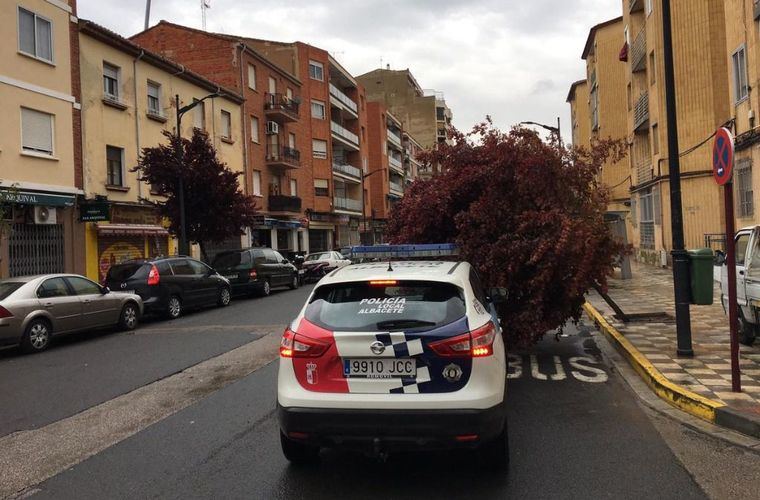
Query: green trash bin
{"x": 701, "y": 270}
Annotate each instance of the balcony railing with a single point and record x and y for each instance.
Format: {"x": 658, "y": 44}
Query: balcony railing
{"x": 284, "y": 203}
{"x": 394, "y": 139}
{"x": 395, "y": 162}
{"x": 340, "y": 203}
{"x": 347, "y": 169}
{"x": 641, "y": 113}
{"x": 281, "y": 106}
{"x": 396, "y": 188}
{"x": 344, "y": 133}
{"x": 343, "y": 98}
{"x": 283, "y": 156}
{"x": 639, "y": 52}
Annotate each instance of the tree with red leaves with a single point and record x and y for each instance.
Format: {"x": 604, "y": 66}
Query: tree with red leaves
{"x": 215, "y": 207}
{"x": 527, "y": 214}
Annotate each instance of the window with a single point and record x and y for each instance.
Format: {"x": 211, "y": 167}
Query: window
{"x": 111, "y": 81}
{"x": 35, "y": 35}
{"x": 270, "y": 256}
{"x": 594, "y": 108}
{"x": 292, "y": 140}
{"x": 199, "y": 117}
{"x": 272, "y": 85}
{"x": 289, "y": 94}
{"x": 154, "y": 98}
{"x": 649, "y": 6}
{"x": 477, "y": 287}
{"x": 744, "y": 197}
{"x": 114, "y": 164}
{"x": 652, "y": 69}
{"x": 319, "y": 148}
{"x": 655, "y": 139}
{"x": 316, "y": 71}
{"x": 646, "y": 218}
{"x": 741, "y": 88}
{"x": 54, "y": 287}
{"x": 321, "y": 187}
{"x": 256, "y": 183}
{"x": 630, "y": 98}
{"x": 742, "y": 241}
{"x": 318, "y": 110}
{"x": 226, "y": 125}
{"x": 182, "y": 267}
{"x": 252, "y": 77}
{"x": 36, "y": 131}
{"x": 199, "y": 268}
{"x": 255, "y": 127}
{"x": 293, "y": 187}
{"x": 83, "y": 286}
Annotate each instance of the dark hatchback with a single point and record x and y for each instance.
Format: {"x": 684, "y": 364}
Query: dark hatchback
{"x": 169, "y": 285}
{"x": 256, "y": 270}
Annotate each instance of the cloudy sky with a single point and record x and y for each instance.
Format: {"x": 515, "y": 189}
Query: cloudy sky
{"x": 511, "y": 59}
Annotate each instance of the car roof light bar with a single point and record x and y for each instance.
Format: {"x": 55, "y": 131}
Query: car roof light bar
{"x": 404, "y": 251}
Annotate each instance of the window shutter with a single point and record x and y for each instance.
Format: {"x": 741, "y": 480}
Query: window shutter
{"x": 252, "y": 76}
{"x": 257, "y": 182}
{"x": 36, "y": 131}
{"x": 320, "y": 183}
{"x": 656, "y": 205}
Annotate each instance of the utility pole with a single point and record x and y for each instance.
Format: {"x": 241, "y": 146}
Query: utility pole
{"x": 681, "y": 286}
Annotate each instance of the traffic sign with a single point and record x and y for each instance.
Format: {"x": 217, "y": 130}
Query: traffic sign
{"x": 723, "y": 156}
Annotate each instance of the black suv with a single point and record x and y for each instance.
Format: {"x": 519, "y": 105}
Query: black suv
{"x": 168, "y": 285}
{"x": 256, "y": 270}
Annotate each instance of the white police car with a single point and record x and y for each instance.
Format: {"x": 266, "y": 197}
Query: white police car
{"x": 393, "y": 356}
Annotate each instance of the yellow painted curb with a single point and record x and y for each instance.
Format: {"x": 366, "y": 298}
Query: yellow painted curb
{"x": 681, "y": 398}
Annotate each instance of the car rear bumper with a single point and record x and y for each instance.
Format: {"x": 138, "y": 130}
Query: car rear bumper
{"x": 393, "y": 430}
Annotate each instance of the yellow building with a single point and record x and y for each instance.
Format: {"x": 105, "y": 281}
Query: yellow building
{"x": 699, "y": 52}
{"x": 742, "y": 59}
{"x": 580, "y": 119}
{"x": 40, "y": 148}
{"x": 128, "y": 101}
{"x": 607, "y": 105}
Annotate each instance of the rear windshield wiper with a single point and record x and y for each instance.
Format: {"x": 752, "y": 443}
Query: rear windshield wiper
{"x": 404, "y": 323}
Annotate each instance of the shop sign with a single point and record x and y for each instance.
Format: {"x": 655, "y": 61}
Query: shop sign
{"x": 30, "y": 198}
{"x": 97, "y": 211}
{"x": 126, "y": 214}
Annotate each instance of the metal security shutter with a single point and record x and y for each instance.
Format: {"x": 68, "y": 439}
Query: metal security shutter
{"x": 36, "y": 249}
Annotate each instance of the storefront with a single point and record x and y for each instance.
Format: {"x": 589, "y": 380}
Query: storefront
{"x": 283, "y": 235}
{"x": 321, "y": 231}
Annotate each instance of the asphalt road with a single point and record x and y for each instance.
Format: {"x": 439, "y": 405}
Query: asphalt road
{"x": 83, "y": 370}
{"x": 575, "y": 432}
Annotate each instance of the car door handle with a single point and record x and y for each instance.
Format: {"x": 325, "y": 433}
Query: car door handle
{"x": 48, "y": 305}
{"x": 86, "y": 301}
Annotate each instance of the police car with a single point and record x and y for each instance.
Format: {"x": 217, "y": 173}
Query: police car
{"x": 395, "y": 355}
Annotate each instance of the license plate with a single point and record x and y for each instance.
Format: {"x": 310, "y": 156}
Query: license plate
{"x": 129, "y": 291}
{"x": 379, "y": 368}
{"x": 231, "y": 276}
{"x": 302, "y": 271}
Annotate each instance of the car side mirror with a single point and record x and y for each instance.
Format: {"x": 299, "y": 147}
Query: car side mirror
{"x": 720, "y": 258}
{"x": 498, "y": 295}
{"x": 104, "y": 290}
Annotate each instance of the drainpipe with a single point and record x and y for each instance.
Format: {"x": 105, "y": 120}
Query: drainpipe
{"x": 246, "y": 131}
{"x": 137, "y": 117}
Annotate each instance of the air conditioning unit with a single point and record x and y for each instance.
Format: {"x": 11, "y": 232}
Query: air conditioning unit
{"x": 44, "y": 215}
{"x": 273, "y": 128}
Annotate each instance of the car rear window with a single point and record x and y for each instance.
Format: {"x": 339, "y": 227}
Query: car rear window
{"x": 126, "y": 271}
{"x": 8, "y": 287}
{"x": 231, "y": 260}
{"x": 398, "y": 305}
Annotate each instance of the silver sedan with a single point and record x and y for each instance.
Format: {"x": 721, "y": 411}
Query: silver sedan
{"x": 34, "y": 308}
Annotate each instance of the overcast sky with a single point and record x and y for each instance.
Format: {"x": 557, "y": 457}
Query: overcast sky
{"x": 511, "y": 59}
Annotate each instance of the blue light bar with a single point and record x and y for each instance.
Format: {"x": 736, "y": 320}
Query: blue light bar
{"x": 404, "y": 251}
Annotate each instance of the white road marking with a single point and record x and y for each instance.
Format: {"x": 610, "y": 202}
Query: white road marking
{"x": 598, "y": 375}
{"x": 514, "y": 367}
{"x": 580, "y": 367}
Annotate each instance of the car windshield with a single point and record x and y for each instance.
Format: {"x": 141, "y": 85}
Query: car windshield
{"x": 231, "y": 260}
{"x": 128, "y": 270}
{"x": 361, "y": 306}
{"x": 318, "y": 256}
{"x": 8, "y": 287}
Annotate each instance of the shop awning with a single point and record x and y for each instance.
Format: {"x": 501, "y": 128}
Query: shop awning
{"x": 132, "y": 229}
{"x": 35, "y": 198}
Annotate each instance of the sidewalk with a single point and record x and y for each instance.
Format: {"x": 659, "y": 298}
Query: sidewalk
{"x": 648, "y": 298}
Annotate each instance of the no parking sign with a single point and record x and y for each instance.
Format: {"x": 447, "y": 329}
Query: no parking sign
{"x": 723, "y": 156}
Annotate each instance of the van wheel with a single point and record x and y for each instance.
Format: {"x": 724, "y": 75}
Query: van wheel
{"x": 37, "y": 336}
{"x": 294, "y": 282}
{"x": 746, "y": 331}
{"x": 129, "y": 317}
{"x": 298, "y": 453}
{"x": 266, "y": 289}
{"x": 174, "y": 307}
{"x": 495, "y": 454}
{"x": 224, "y": 297}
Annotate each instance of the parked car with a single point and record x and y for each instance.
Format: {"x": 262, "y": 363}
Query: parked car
{"x": 256, "y": 270}
{"x": 747, "y": 245}
{"x": 169, "y": 285}
{"x": 35, "y": 308}
{"x": 317, "y": 265}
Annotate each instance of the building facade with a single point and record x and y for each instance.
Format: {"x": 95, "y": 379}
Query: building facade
{"x": 580, "y": 118}
{"x": 128, "y": 100}
{"x": 40, "y": 139}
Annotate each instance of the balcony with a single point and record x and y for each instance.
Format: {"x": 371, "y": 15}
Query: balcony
{"x": 346, "y": 170}
{"x": 283, "y": 157}
{"x": 635, "y": 5}
{"x": 394, "y": 139}
{"x": 396, "y": 188}
{"x": 280, "y": 108}
{"x": 341, "y": 100}
{"x": 639, "y": 52}
{"x": 344, "y": 135}
{"x": 394, "y": 162}
{"x": 641, "y": 113}
{"x": 284, "y": 203}
{"x": 347, "y": 204}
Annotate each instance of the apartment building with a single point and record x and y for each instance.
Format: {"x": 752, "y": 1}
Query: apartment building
{"x": 606, "y": 74}
{"x": 275, "y": 137}
{"x": 413, "y": 167}
{"x": 580, "y": 117}
{"x": 337, "y": 126}
{"x": 40, "y": 139}
{"x": 424, "y": 115}
{"x": 701, "y": 66}
{"x": 743, "y": 57}
{"x": 128, "y": 100}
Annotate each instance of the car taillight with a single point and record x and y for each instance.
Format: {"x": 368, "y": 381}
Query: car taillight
{"x": 153, "y": 276}
{"x": 253, "y": 274}
{"x": 294, "y": 345}
{"x": 476, "y": 344}
{"x": 5, "y": 313}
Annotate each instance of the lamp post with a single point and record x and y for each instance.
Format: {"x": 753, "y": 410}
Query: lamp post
{"x": 553, "y": 130}
{"x": 364, "y": 210}
{"x": 183, "y": 244}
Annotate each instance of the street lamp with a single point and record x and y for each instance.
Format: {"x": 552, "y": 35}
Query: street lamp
{"x": 364, "y": 211}
{"x": 183, "y": 244}
{"x": 553, "y": 130}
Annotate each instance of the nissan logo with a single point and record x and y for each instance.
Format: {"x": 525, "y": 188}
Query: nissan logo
{"x": 124, "y": 285}
{"x": 377, "y": 347}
